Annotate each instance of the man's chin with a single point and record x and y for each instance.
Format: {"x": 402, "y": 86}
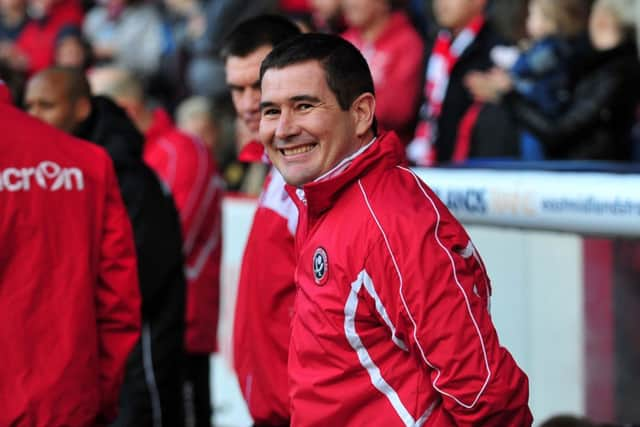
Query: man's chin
{"x": 294, "y": 177}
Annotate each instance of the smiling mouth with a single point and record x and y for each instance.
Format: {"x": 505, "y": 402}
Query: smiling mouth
{"x": 301, "y": 149}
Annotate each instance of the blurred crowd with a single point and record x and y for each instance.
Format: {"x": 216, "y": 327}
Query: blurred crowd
{"x": 150, "y": 81}
{"x": 539, "y": 80}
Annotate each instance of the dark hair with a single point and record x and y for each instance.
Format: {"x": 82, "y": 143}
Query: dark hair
{"x": 346, "y": 70}
{"x": 253, "y": 33}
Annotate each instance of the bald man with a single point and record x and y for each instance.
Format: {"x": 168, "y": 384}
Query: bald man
{"x": 152, "y": 392}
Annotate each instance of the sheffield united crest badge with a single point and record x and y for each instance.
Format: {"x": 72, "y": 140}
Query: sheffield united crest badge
{"x": 320, "y": 266}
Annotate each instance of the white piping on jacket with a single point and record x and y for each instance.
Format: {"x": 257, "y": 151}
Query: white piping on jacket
{"x": 350, "y": 310}
{"x": 406, "y": 306}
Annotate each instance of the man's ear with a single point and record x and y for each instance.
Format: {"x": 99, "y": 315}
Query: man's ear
{"x": 82, "y": 109}
{"x": 363, "y": 109}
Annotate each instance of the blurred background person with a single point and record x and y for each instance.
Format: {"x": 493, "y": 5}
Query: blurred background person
{"x": 381, "y": 30}
{"x": 449, "y": 115}
{"x": 266, "y": 288}
{"x": 127, "y": 33}
{"x": 243, "y": 55}
{"x": 184, "y": 22}
{"x": 152, "y": 390}
{"x": 186, "y": 167}
{"x": 326, "y": 16}
{"x": 541, "y": 72}
{"x": 206, "y": 71}
{"x": 68, "y": 278}
{"x": 597, "y": 121}
{"x": 72, "y": 49}
{"x": 37, "y": 40}
{"x": 13, "y": 18}
{"x": 196, "y": 116}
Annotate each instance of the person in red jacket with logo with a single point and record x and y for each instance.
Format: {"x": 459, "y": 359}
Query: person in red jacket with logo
{"x": 391, "y": 324}
{"x": 186, "y": 167}
{"x": 152, "y": 390}
{"x": 266, "y": 288}
{"x": 69, "y": 298}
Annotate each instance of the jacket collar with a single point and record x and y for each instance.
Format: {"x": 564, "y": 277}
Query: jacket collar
{"x": 383, "y": 152}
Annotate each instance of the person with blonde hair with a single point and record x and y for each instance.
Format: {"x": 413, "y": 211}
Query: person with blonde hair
{"x": 195, "y": 116}
{"x": 596, "y": 123}
{"x": 541, "y": 72}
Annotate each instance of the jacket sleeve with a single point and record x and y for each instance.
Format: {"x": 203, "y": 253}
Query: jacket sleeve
{"x": 197, "y": 193}
{"x": 435, "y": 285}
{"x": 117, "y": 298}
{"x": 557, "y": 131}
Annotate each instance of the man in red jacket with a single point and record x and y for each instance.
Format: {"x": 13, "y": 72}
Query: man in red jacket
{"x": 69, "y": 299}
{"x": 382, "y": 31}
{"x": 152, "y": 390}
{"x": 266, "y": 288}
{"x": 391, "y": 324}
{"x": 188, "y": 170}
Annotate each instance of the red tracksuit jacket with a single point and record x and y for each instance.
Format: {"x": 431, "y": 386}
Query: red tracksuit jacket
{"x": 69, "y": 297}
{"x": 264, "y": 305}
{"x": 189, "y": 171}
{"x": 391, "y": 324}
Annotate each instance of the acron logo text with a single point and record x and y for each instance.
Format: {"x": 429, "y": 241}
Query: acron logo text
{"x": 47, "y": 175}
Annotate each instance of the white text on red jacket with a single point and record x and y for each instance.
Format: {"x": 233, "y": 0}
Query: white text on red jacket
{"x": 47, "y": 175}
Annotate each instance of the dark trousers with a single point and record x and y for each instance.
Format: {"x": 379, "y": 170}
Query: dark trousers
{"x": 197, "y": 391}
{"x": 151, "y": 394}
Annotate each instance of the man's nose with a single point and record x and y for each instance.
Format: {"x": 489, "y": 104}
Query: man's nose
{"x": 286, "y": 125}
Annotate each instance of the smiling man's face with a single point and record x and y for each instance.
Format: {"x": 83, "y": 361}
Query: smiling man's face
{"x": 302, "y": 126}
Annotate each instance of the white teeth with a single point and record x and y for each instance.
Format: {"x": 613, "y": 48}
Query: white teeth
{"x": 297, "y": 150}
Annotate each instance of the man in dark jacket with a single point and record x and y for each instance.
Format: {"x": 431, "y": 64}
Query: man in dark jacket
{"x": 452, "y": 126}
{"x": 151, "y": 393}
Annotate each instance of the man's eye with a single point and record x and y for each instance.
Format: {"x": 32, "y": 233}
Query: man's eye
{"x": 270, "y": 112}
{"x": 304, "y": 107}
